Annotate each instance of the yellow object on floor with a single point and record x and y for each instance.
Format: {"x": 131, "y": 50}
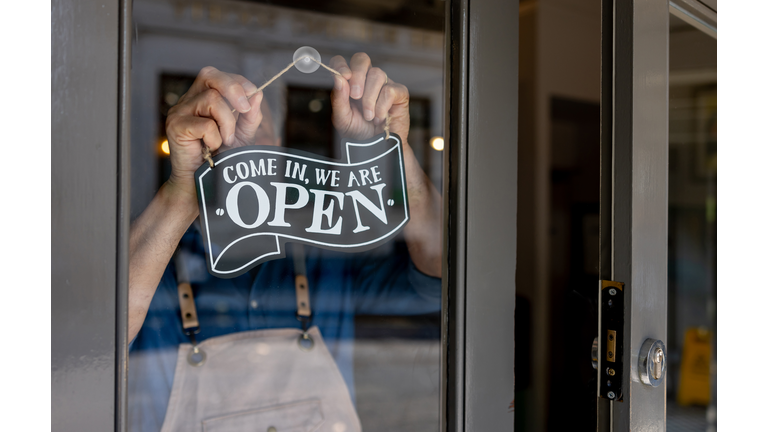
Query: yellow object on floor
{"x": 694, "y": 368}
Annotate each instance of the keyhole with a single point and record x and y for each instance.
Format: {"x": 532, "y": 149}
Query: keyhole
{"x": 658, "y": 362}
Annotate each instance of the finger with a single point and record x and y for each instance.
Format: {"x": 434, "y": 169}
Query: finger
{"x": 198, "y": 86}
{"x": 229, "y": 87}
{"x": 373, "y": 84}
{"x": 360, "y": 64}
{"x": 248, "y": 123}
{"x": 340, "y": 65}
{"x": 249, "y": 87}
{"x": 190, "y": 129}
{"x": 340, "y": 105}
{"x": 391, "y": 94}
{"x": 211, "y": 104}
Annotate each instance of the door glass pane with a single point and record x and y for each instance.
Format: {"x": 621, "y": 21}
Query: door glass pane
{"x": 558, "y": 216}
{"x": 333, "y": 322}
{"x": 692, "y": 288}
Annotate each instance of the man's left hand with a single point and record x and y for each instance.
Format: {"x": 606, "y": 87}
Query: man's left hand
{"x": 363, "y": 96}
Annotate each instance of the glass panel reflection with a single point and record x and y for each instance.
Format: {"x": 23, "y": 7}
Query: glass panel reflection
{"x": 320, "y": 339}
{"x": 692, "y": 287}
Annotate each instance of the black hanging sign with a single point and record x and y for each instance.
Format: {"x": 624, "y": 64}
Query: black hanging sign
{"x": 257, "y": 198}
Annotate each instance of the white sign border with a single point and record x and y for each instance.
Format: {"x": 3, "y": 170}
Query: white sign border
{"x": 397, "y": 146}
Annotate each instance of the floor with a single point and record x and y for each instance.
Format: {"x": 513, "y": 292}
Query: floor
{"x": 689, "y": 418}
{"x": 397, "y": 384}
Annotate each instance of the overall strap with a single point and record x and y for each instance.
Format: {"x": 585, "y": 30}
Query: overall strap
{"x": 186, "y": 300}
{"x": 303, "y": 309}
{"x": 189, "y": 322}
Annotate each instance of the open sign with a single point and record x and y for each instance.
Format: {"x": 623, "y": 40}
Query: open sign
{"x": 257, "y": 198}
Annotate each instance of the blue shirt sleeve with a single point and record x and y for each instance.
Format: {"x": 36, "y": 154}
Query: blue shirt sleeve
{"x": 388, "y": 283}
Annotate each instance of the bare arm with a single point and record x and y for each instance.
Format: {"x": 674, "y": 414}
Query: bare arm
{"x": 361, "y": 100}
{"x": 154, "y": 237}
{"x": 203, "y": 115}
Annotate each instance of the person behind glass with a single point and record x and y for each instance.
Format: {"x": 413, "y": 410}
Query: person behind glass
{"x": 256, "y": 375}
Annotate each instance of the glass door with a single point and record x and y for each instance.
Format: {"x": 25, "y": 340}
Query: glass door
{"x": 308, "y": 216}
{"x": 337, "y": 160}
{"x": 692, "y": 289}
{"x": 386, "y": 299}
{"x": 658, "y": 207}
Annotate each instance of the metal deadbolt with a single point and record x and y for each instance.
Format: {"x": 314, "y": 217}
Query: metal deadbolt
{"x": 594, "y": 354}
{"x": 652, "y": 362}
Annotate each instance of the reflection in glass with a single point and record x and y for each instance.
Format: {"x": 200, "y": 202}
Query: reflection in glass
{"x": 226, "y": 354}
{"x": 692, "y": 287}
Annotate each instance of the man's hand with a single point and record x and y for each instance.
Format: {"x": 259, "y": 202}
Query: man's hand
{"x": 363, "y": 96}
{"x": 205, "y": 115}
{"x": 361, "y": 99}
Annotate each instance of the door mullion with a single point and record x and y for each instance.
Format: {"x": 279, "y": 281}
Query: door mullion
{"x": 639, "y": 154}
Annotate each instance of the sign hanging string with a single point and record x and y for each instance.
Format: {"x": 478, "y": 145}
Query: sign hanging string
{"x": 207, "y": 151}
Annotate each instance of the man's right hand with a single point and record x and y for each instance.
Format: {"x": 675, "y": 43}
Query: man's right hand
{"x": 204, "y": 115}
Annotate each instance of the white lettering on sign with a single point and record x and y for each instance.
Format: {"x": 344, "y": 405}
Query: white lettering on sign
{"x": 319, "y": 212}
{"x": 352, "y": 178}
{"x": 234, "y": 211}
{"x": 227, "y": 178}
{"x": 298, "y": 170}
{"x": 257, "y": 171}
{"x": 364, "y": 177}
{"x": 335, "y": 178}
{"x": 281, "y": 205}
{"x": 380, "y": 213}
{"x": 322, "y": 176}
{"x": 260, "y": 198}
{"x": 242, "y": 171}
{"x": 376, "y": 174}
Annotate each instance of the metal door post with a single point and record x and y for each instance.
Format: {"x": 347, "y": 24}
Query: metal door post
{"x": 87, "y": 222}
{"x": 480, "y": 205}
{"x": 637, "y": 93}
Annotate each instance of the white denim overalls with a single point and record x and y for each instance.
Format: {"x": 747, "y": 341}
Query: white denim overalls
{"x": 275, "y": 380}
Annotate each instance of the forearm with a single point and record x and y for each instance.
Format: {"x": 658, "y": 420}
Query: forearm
{"x": 154, "y": 237}
{"x": 423, "y": 233}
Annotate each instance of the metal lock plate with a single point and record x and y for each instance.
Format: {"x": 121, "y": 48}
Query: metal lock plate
{"x": 652, "y": 362}
{"x": 611, "y": 340}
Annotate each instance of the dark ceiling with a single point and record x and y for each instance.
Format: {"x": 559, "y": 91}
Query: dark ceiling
{"x": 423, "y": 14}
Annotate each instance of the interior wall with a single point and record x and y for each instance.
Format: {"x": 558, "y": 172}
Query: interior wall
{"x": 559, "y": 57}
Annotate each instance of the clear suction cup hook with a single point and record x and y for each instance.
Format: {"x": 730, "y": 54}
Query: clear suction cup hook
{"x": 306, "y": 65}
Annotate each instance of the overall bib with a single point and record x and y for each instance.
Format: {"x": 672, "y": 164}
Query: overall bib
{"x": 275, "y": 380}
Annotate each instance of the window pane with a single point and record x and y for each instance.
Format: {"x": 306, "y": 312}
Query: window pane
{"x": 692, "y": 227}
{"x": 253, "y": 353}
